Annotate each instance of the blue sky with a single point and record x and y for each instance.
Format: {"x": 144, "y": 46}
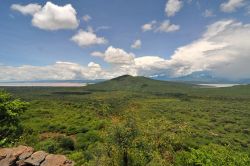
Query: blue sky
{"x": 36, "y": 49}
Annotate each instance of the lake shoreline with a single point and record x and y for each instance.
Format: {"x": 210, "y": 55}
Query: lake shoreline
{"x": 77, "y": 84}
{"x": 218, "y": 85}
{"x": 44, "y": 84}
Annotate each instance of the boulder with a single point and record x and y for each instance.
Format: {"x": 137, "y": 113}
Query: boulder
{"x": 25, "y": 156}
{"x": 6, "y": 157}
{"x": 8, "y": 160}
{"x": 56, "y": 160}
{"x": 20, "y": 163}
{"x": 4, "y": 152}
{"x": 36, "y": 158}
{"x": 20, "y": 150}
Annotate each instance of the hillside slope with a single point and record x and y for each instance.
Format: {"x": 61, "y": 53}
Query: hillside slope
{"x": 139, "y": 83}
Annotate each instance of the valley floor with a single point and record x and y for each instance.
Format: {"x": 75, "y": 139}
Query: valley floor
{"x": 114, "y": 127}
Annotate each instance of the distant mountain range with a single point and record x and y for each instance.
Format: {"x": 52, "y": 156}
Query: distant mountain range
{"x": 203, "y": 77}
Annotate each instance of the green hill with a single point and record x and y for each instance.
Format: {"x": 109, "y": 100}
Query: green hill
{"x": 167, "y": 88}
{"x": 139, "y": 84}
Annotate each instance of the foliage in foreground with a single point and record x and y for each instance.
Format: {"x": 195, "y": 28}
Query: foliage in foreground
{"x": 210, "y": 155}
{"x": 10, "y": 111}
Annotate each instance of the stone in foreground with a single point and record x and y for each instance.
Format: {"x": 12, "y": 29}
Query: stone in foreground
{"x": 25, "y": 156}
{"x": 36, "y": 158}
{"x": 56, "y": 160}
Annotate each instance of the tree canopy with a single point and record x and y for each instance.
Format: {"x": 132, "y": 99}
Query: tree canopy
{"x": 10, "y": 110}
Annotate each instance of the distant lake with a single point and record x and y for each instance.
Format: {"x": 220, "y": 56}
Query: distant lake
{"x": 49, "y": 84}
{"x": 219, "y": 85}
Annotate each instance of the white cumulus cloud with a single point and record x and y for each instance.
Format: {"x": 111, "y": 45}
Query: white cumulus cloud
{"x": 29, "y": 9}
{"x": 97, "y": 54}
{"x": 166, "y": 26}
{"x": 58, "y": 71}
{"x": 172, "y": 7}
{"x": 231, "y": 5}
{"x": 87, "y": 38}
{"x": 148, "y": 26}
{"x": 116, "y": 56}
{"x": 50, "y": 16}
{"x": 54, "y": 17}
{"x": 150, "y": 65}
{"x": 137, "y": 44}
{"x": 223, "y": 49}
{"x": 94, "y": 65}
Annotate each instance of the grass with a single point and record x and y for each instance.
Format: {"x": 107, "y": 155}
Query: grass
{"x": 170, "y": 119}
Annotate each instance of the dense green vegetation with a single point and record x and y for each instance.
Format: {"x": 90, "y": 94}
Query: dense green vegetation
{"x": 10, "y": 110}
{"x": 139, "y": 121}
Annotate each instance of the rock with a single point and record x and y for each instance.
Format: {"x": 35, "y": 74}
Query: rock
{"x": 24, "y": 156}
{"x": 6, "y": 157}
{"x": 21, "y": 163}
{"x": 20, "y": 150}
{"x": 8, "y": 160}
{"x": 56, "y": 160}
{"x": 5, "y": 152}
{"x": 9, "y": 155}
{"x": 36, "y": 158}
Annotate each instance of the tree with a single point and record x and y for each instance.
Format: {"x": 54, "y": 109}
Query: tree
{"x": 123, "y": 136}
{"x": 10, "y": 110}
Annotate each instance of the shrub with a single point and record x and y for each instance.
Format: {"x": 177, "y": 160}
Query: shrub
{"x": 49, "y": 145}
{"x": 66, "y": 143}
{"x": 212, "y": 154}
{"x": 84, "y": 129}
{"x": 77, "y": 156}
{"x": 71, "y": 130}
{"x": 83, "y": 140}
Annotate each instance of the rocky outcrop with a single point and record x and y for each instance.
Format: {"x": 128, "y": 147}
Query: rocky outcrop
{"x": 26, "y": 156}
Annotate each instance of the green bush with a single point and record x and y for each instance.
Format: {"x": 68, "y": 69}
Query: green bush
{"x": 66, "y": 143}
{"x": 210, "y": 155}
{"x": 78, "y": 157}
{"x": 10, "y": 110}
{"x": 49, "y": 145}
{"x": 72, "y": 130}
{"x": 83, "y": 129}
{"x": 83, "y": 140}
